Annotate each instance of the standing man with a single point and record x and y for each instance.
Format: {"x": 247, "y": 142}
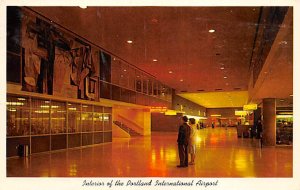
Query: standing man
{"x": 183, "y": 141}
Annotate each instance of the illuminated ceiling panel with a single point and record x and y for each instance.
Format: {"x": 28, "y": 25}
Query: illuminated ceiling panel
{"x": 218, "y": 99}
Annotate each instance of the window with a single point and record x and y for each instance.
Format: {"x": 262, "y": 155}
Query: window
{"x": 87, "y": 118}
{"x": 105, "y": 67}
{"x": 40, "y": 114}
{"x": 18, "y": 116}
{"x": 74, "y": 118}
{"x": 58, "y": 117}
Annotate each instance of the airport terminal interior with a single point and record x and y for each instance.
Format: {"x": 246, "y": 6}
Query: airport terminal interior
{"x": 101, "y": 91}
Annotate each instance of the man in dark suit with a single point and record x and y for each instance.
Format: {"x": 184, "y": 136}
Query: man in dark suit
{"x": 183, "y": 141}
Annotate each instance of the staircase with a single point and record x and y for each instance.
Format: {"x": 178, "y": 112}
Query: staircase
{"x": 128, "y": 130}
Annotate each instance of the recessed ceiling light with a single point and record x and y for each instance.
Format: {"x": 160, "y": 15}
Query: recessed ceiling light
{"x": 124, "y": 70}
{"x": 154, "y": 20}
{"x": 283, "y": 42}
{"x": 225, "y": 77}
{"x": 170, "y": 72}
{"x": 129, "y": 41}
{"x": 83, "y": 6}
{"x": 181, "y": 80}
{"x": 222, "y": 68}
{"x": 211, "y": 31}
{"x": 154, "y": 60}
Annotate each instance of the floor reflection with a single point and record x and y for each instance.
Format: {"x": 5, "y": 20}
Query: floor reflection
{"x": 219, "y": 154}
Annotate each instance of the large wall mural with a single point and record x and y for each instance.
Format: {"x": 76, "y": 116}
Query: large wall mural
{"x": 44, "y": 57}
{"x": 57, "y": 63}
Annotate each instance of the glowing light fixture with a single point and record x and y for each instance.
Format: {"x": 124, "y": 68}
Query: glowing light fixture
{"x": 240, "y": 112}
{"x": 284, "y": 116}
{"x": 170, "y": 112}
{"x": 15, "y": 103}
{"x": 250, "y": 107}
{"x": 211, "y": 31}
{"x": 129, "y": 41}
{"x": 215, "y": 115}
{"x": 181, "y": 80}
{"x": 222, "y": 68}
{"x": 170, "y": 72}
{"x": 154, "y": 60}
{"x": 285, "y": 113}
{"x": 83, "y": 6}
{"x": 225, "y": 77}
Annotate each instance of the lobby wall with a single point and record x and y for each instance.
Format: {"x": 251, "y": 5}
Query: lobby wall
{"x": 186, "y": 106}
{"x": 228, "y": 113}
{"x": 137, "y": 119}
{"x": 165, "y": 123}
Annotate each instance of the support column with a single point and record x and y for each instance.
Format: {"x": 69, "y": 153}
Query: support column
{"x": 269, "y": 121}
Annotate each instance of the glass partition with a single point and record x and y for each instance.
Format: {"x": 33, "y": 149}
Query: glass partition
{"x": 116, "y": 73}
{"x": 18, "y": 116}
{"x": 87, "y": 118}
{"x": 145, "y": 84}
{"x": 74, "y": 118}
{"x": 40, "y": 117}
{"x": 98, "y": 118}
{"x": 107, "y": 122}
{"x": 138, "y": 81}
{"x": 131, "y": 78}
{"x": 58, "y": 117}
{"x": 150, "y": 87}
{"x": 124, "y": 77}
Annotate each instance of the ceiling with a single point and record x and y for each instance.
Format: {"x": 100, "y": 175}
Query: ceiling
{"x": 218, "y": 99}
{"x": 188, "y": 57}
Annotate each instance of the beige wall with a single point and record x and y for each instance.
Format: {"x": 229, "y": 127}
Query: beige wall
{"x": 137, "y": 119}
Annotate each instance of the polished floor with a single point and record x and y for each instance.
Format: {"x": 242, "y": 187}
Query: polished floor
{"x": 219, "y": 154}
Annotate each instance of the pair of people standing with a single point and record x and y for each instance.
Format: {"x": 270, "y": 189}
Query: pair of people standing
{"x": 186, "y": 141}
